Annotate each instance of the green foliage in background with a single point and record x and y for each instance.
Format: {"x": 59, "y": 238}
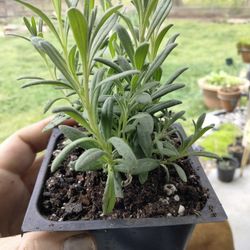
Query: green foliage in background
{"x": 218, "y": 141}
{"x": 216, "y": 3}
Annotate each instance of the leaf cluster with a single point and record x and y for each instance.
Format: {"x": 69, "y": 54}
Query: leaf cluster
{"x": 109, "y": 73}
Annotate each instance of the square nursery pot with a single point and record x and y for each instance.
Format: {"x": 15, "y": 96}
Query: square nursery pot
{"x": 170, "y": 233}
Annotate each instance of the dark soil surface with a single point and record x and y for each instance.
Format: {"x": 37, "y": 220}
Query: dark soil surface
{"x": 71, "y": 195}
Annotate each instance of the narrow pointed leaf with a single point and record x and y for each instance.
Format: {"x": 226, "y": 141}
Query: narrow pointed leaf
{"x": 118, "y": 185}
{"x": 180, "y": 172}
{"x": 110, "y": 64}
{"x": 71, "y": 133}
{"x": 50, "y": 103}
{"x": 166, "y": 89}
{"x": 105, "y": 17}
{"x": 48, "y": 83}
{"x": 145, "y": 165}
{"x": 145, "y": 129}
{"x": 200, "y": 121}
{"x": 89, "y": 160}
{"x": 143, "y": 177}
{"x": 79, "y": 28}
{"x": 102, "y": 34}
{"x": 109, "y": 199}
{"x": 176, "y": 117}
{"x": 85, "y": 143}
{"x": 175, "y": 75}
{"x": 43, "y": 16}
{"x": 57, "y": 120}
{"x": 74, "y": 114}
{"x": 140, "y": 55}
{"x": 126, "y": 41}
{"x": 143, "y": 98}
{"x": 159, "y": 16}
{"x": 204, "y": 154}
{"x": 54, "y": 55}
{"x": 119, "y": 76}
{"x": 130, "y": 26}
{"x": 169, "y": 149}
{"x": 160, "y": 37}
{"x": 107, "y": 117}
{"x": 158, "y": 61}
{"x": 123, "y": 149}
{"x": 162, "y": 106}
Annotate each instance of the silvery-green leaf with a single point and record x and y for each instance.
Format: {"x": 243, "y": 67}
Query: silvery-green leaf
{"x": 107, "y": 117}
{"x": 140, "y": 55}
{"x": 57, "y": 120}
{"x": 48, "y": 83}
{"x": 160, "y": 37}
{"x": 126, "y": 41}
{"x": 180, "y": 172}
{"x": 74, "y": 114}
{"x": 162, "y": 106}
{"x": 145, "y": 165}
{"x": 123, "y": 149}
{"x": 119, "y": 76}
{"x": 79, "y": 27}
{"x": 158, "y": 61}
{"x": 89, "y": 160}
{"x": 169, "y": 149}
{"x": 71, "y": 132}
{"x": 54, "y": 55}
{"x": 43, "y": 16}
{"x": 109, "y": 199}
{"x": 143, "y": 98}
{"x": 104, "y": 18}
{"x": 166, "y": 89}
{"x": 143, "y": 177}
{"x": 203, "y": 154}
{"x": 118, "y": 185}
{"x": 50, "y": 103}
{"x": 84, "y": 143}
{"x": 159, "y": 16}
{"x": 173, "y": 77}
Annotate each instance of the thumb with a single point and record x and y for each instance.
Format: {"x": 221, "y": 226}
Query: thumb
{"x": 49, "y": 240}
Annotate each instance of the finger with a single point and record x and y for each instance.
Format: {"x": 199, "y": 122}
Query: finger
{"x": 29, "y": 177}
{"x": 49, "y": 240}
{"x": 18, "y": 152}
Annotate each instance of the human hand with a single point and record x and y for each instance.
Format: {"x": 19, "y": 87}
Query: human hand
{"x": 19, "y": 165}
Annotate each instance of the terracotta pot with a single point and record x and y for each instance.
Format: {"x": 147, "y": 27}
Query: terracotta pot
{"x": 229, "y": 100}
{"x": 245, "y": 53}
{"x": 210, "y": 98}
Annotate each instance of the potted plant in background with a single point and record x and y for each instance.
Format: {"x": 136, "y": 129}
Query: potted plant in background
{"x": 126, "y": 172}
{"x": 229, "y": 97}
{"x": 236, "y": 149}
{"x": 243, "y": 47}
{"x": 213, "y": 82}
{"x": 226, "y": 168}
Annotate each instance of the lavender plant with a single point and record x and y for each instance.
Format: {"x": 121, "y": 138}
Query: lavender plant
{"x": 109, "y": 73}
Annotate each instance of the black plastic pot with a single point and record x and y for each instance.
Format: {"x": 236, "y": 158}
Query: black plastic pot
{"x": 227, "y": 174}
{"x": 170, "y": 233}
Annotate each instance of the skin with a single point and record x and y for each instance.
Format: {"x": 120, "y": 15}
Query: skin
{"x": 19, "y": 165}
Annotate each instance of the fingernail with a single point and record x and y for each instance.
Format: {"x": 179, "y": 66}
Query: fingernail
{"x": 79, "y": 242}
